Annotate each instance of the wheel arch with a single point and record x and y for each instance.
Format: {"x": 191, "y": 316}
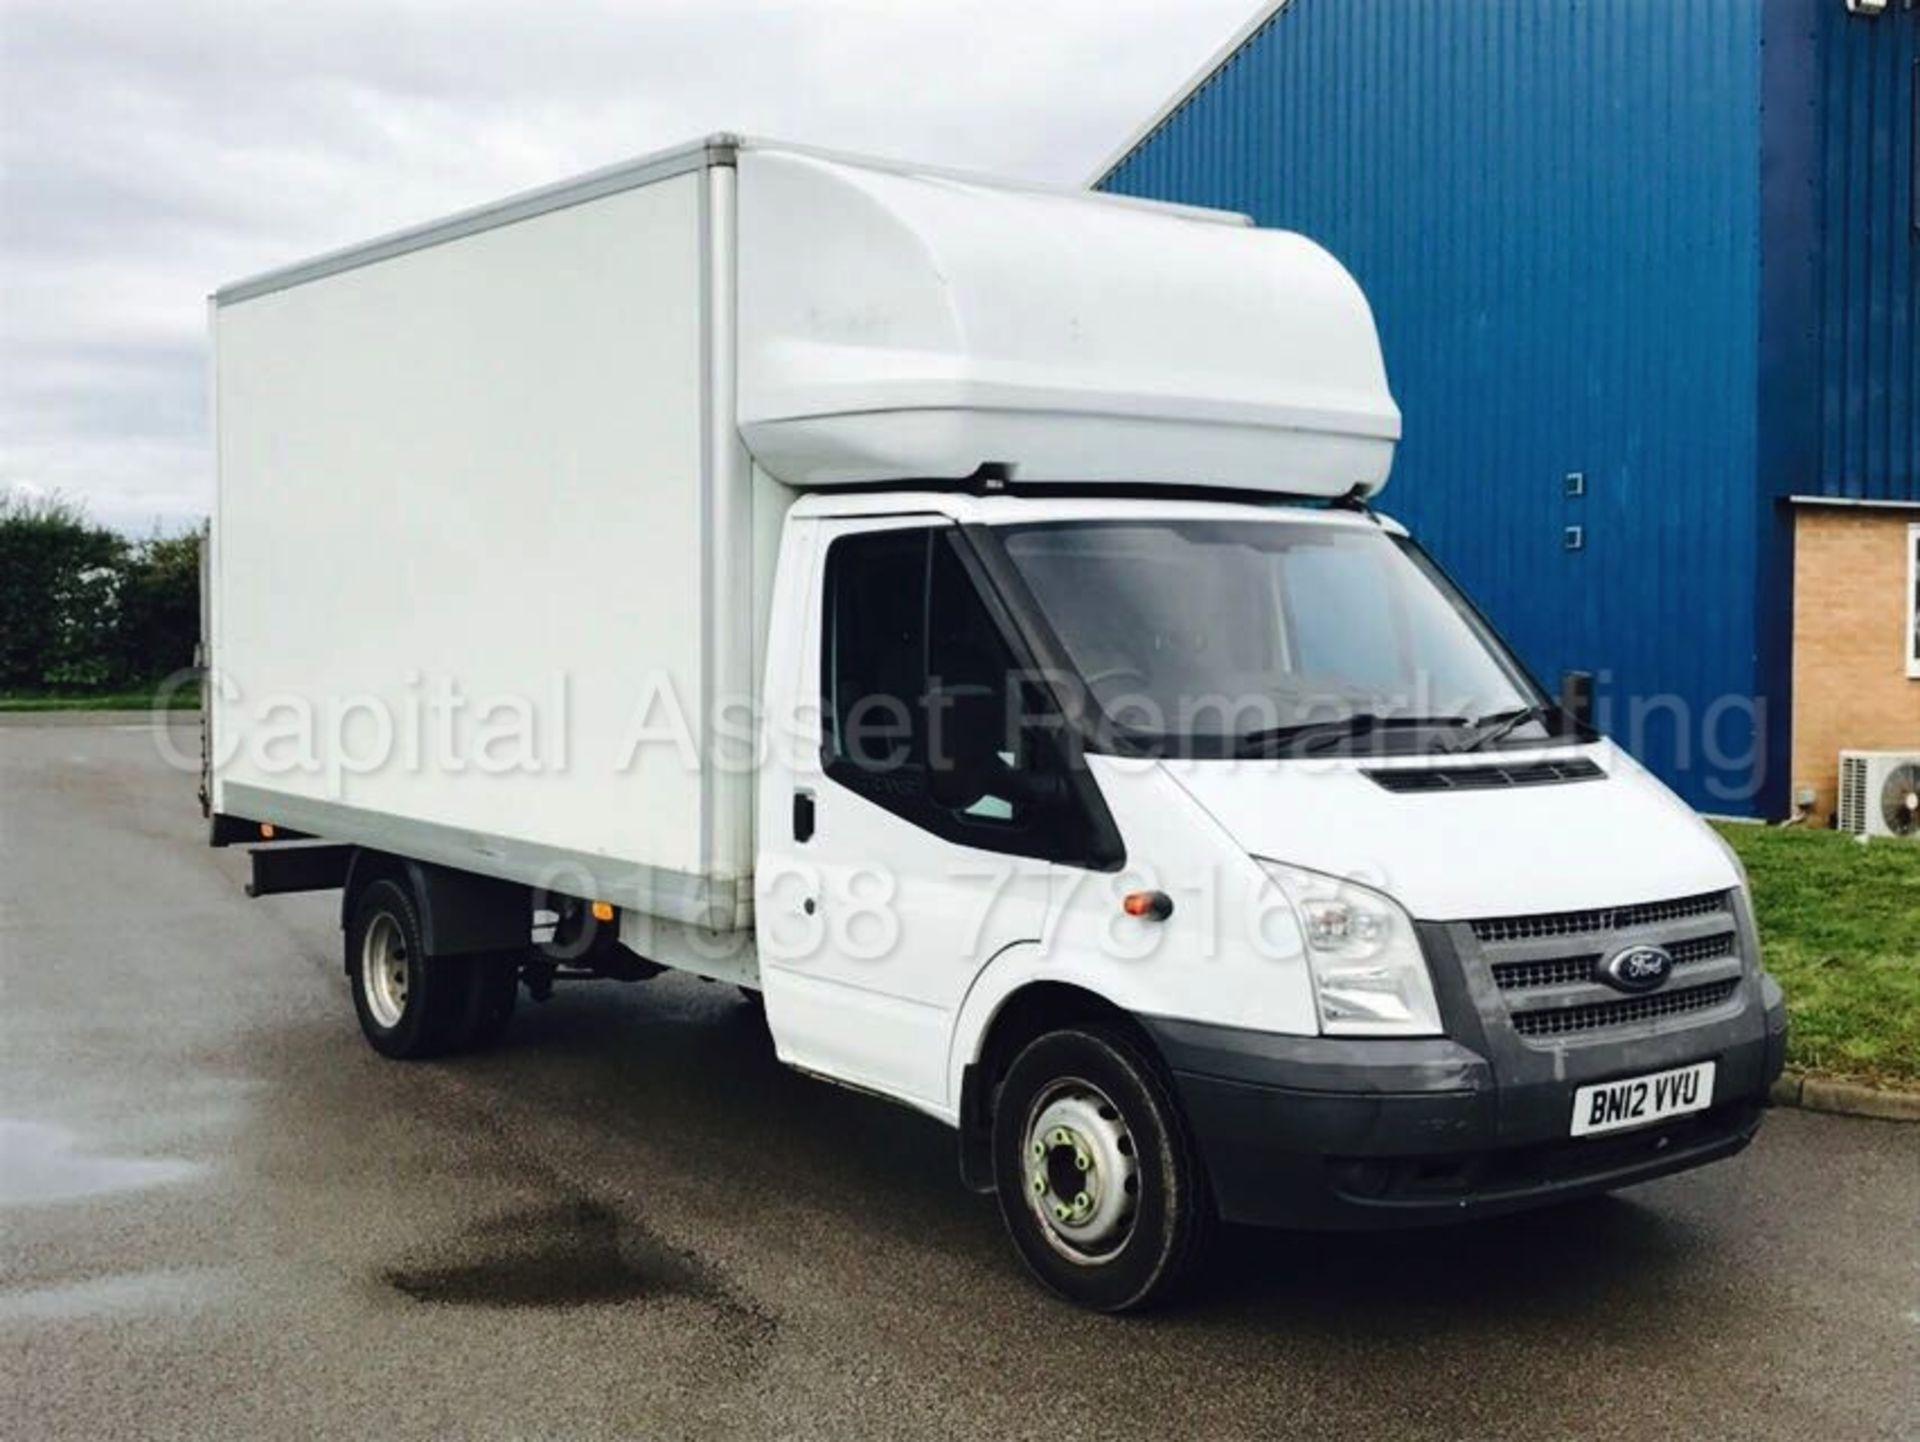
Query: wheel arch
{"x": 1026, "y": 1009}
{"x": 460, "y": 912}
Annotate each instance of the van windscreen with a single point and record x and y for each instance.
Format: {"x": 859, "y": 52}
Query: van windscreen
{"x": 1214, "y": 637}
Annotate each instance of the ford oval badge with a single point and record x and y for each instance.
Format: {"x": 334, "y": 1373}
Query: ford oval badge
{"x": 1637, "y": 968}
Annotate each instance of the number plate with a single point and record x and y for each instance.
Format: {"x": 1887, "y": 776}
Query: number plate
{"x": 1615, "y": 1106}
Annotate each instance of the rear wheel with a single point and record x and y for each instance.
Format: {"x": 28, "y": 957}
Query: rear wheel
{"x": 1098, "y": 1180}
{"x": 410, "y": 1005}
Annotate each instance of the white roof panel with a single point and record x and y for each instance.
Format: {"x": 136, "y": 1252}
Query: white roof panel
{"x": 899, "y": 325}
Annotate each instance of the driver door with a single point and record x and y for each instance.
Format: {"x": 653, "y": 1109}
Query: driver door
{"x": 900, "y": 845}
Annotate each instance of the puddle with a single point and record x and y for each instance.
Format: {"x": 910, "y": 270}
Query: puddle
{"x": 574, "y": 1255}
{"x": 38, "y": 1164}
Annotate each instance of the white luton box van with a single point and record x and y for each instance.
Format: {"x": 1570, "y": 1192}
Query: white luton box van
{"x": 952, "y": 611}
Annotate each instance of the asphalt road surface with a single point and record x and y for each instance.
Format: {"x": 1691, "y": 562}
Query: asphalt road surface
{"x": 222, "y": 1215}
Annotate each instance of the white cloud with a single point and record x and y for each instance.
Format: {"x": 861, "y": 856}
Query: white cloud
{"x": 152, "y": 152}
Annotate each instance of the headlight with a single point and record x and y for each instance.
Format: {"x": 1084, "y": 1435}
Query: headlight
{"x": 1369, "y": 976}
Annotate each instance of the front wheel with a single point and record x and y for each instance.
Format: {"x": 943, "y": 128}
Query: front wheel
{"x": 1097, "y": 1177}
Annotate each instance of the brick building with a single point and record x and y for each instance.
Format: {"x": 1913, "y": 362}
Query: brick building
{"x": 1856, "y": 640}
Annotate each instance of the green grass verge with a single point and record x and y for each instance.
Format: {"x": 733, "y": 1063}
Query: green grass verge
{"x": 1840, "y": 925}
{"x": 187, "y": 699}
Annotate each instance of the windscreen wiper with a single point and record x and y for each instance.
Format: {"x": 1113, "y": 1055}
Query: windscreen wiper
{"x": 1503, "y": 724}
{"x": 1308, "y": 736}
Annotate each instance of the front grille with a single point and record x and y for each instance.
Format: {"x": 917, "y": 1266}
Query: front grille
{"x": 1570, "y": 970}
{"x": 1486, "y": 778}
{"x": 1613, "y": 918}
{"x": 1593, "y": 1016}
{"x": 1560, "y": 971}
{"x": 1538, "y": 977}
{"x": 1701, "y": 948}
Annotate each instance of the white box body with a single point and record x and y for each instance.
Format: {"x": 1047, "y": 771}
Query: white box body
{"x": 474, "y": 490}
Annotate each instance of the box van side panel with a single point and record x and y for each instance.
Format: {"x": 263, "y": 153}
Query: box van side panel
{"x": 383, "y": 430}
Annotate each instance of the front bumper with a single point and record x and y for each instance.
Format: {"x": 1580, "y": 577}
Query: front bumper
{"x": 1331, "y": 1133}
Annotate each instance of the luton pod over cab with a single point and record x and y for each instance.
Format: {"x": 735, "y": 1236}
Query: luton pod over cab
{"x": 954, "y": 612}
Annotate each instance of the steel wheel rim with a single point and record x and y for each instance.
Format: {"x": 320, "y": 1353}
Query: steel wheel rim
{"x": 383, "y": 970}
{"x": 1080, "y": 1171}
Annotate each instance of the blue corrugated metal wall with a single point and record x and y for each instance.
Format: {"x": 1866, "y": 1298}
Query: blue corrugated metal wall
{"x": 1555, "y": 208}
{"x": 1868, "y": 304}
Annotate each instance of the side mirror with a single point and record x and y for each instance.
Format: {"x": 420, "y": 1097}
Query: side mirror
{"x": 1576, "y": 696}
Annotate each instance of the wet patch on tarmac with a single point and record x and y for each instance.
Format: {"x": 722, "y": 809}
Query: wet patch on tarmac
{"x": 571, "y": 1255}
{"x": 40, "y": 1164}
{"x": 125, "y": 1295}
{"x": 577, "y": 1253}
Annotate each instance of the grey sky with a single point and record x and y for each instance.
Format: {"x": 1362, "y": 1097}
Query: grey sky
{"x": 154, "y": 150}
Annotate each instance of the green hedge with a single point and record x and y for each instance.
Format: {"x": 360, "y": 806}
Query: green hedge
{"x": 84, "y": 610}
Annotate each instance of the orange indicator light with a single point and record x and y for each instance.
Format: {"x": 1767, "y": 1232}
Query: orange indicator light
{"x": 1148, "y": 905}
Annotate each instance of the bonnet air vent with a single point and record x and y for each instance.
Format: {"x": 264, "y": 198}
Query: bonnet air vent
{"x": 1488, "y": 778}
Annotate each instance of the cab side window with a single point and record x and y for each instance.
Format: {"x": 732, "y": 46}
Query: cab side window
{"x": 875, "y": 649}
{"x": 926, "y": 711}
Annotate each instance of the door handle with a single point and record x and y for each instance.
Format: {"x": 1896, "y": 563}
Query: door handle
{"x": 803, "y": 817}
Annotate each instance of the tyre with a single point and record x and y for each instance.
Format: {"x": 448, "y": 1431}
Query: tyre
{"x": 1097, "y": 1177}
{"x": 410, "y": 1005}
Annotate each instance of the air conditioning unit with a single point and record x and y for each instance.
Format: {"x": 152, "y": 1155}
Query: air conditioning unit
{"x": 1880, "y": 793}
